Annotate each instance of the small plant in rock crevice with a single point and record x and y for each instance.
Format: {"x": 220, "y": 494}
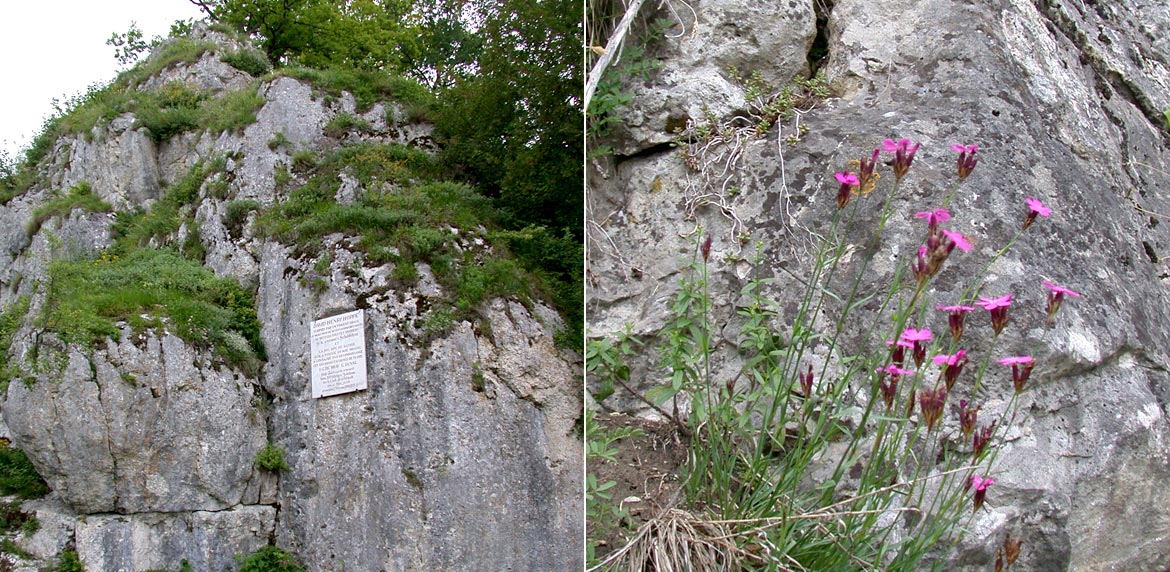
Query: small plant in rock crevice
{"x": 269, "y": 559}
{"x": 858, "y": 398}
{"x": 271, "y": 459}
{"x": 69, "y": 562}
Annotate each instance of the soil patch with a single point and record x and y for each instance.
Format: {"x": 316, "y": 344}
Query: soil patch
{"x": 646, "y": 472}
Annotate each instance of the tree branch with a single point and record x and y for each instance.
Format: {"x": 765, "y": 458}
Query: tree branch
{"x": 611, "y": 48}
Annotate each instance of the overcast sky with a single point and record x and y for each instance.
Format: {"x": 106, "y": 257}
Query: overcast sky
{"x": 57, "y": 48}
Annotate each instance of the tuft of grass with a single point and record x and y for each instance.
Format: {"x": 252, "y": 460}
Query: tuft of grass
{"x": 343, "y": 123}
{"x": 231, "y": 111}
{"x": 271, "y": 459}
{"x": 80, "y": 197}
{"x": 18, "y": 476}
{"x": 251, "y": 61}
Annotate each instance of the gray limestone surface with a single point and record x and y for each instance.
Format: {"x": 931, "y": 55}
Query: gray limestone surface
{"x": 1065, "y": 100}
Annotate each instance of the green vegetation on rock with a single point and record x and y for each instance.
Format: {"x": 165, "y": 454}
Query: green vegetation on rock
{"x": 153, "y": 288}
{"x": 18, "y": 476}
{"x": 269, "y": 559}
{"x": 271, "y": 459}
{"x": 80, "y": 197}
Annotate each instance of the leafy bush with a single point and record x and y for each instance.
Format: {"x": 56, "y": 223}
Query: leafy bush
{"x": 250, "y": 61}
{"x": 269, "y": 559}
{"x": 271, "y": 459}
{"x": 18, "y": 476}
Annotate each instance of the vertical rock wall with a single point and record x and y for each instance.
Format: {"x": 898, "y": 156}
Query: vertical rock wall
{"x": 1065, "y": 100}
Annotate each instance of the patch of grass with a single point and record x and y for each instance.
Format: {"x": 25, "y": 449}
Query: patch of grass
{"x": 271, "y": 459}
{"x": 405, "y": 217}
{"x": 237, "y": 214}
{"x": 174, "y": 51}
{"x": 9, "y": 546}
{"x": 269, "y": 559}
{"x": 231, "y": 111}
{"x": 149, "y": 288}
{"x": 367, "y": 87}
{"x": 80, "y": 197}
{"x": 18, "y": 476}
{"x": 279, "y": 139}
{"x": 343, "y": 123}
{"x": 251, "y": 61}
{"x": 176, "y": 108}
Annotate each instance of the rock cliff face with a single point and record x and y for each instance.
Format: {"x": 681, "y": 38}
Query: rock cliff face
{"x": 1065, "y": 100}
{"x": 461, "y": 455}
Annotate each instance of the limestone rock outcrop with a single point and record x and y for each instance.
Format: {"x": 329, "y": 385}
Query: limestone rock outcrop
{"x": 462, "y": 454}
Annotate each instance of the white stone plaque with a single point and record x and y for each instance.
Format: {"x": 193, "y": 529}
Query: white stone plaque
{"x": 338, "y": 358}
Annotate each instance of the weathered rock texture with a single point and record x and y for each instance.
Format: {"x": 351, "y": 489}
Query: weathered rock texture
{"x": 1065, "y": 99}
{"x": 461, "y": 455}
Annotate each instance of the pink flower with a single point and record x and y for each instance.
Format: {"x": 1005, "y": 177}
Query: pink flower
{"x": 967, "y": 159}
{"x": 934, "y": 217}
{"x": 1021, "y": 369}
{"x": 898, "y": 355}
{"x": 980, "y": 485}
{"x": 847, "y": 179}
{"x": 998, "y": 308}
{"x": 917, "y": 337}
{"x": 903, "y": 152}
{"x": 913, "y": 335}
{"x": 889, "y": 388}
{"x": 956, "y": 319}
{"x": 896, "y": 371}
{"x": 957, "y": 240}
{"x": 1035, "y": 207}
{"x": 848, "y": 183}
{"x": 1056, "y": 295}
{"x": 954, "y": 366}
